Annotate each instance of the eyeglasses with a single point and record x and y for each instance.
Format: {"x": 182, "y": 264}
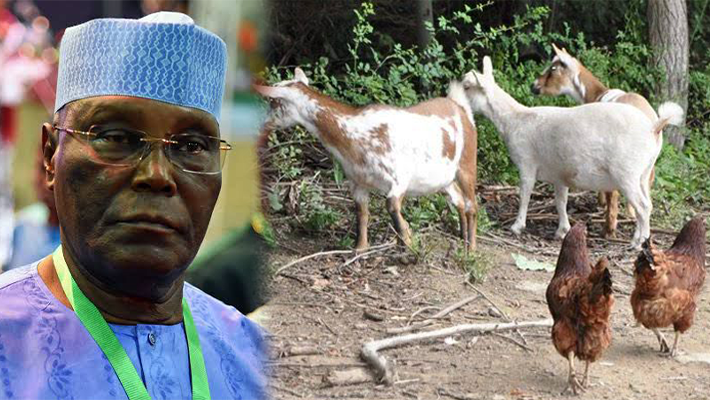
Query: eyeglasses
{"x": 190, "y": 152}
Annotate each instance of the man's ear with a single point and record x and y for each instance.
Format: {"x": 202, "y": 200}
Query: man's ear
{"x": 50, "y": 142}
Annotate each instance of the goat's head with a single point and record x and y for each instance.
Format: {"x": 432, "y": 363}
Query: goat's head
{"x": 558, "y": 78}
{"x": 285, "y": 100}
{"x": 479, "y": 87}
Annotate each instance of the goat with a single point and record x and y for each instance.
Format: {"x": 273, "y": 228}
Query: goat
{"x": 423, "y": 149}
{"x": 567, "y": 76}
{"x": 597, "y": 146}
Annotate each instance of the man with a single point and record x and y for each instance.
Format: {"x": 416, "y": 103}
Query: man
{"x": 36, "y": 232}
{"x": 134, "y": 158}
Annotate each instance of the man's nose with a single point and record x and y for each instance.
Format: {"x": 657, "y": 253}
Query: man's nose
{"x": 154, "y": 172}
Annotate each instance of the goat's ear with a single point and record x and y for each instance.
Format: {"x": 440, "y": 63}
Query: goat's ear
{"x": 487, "y": 67}
{"x": 300, "y": 76}
{"x": 268, "y": 91}
{"x": 473, "y": 79}
{"x": 556, "y": 49}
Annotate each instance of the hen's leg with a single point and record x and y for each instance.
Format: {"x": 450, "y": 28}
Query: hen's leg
{"x": 585, "y": 381}
{"x": 674, "y": 350}
{"x": 572, "y": 382}
{"x": 661, "y": 340}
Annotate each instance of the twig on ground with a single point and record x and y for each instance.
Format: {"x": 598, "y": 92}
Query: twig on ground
{"x": 327, "y": 327}
{"x": 498, "y": 240}
{"x": 283, "y": 389}
{"x": 374, "y": 250}
{"x": 384, "y": 371}
{"x": 457, "y": 396}
{"x": 310, "y": 364}
{"x": 419, "y": 311}
{"x": 348, "y": 377}
{"x": 431, "y": 319}
{"x": 308, "y": 257}
{"x": 300, "y": 303}
{"x": 510, "y": 339}
{"x": 500, "y": 310}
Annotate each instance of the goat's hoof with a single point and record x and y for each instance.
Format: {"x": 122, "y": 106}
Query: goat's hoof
{"x": 561, "y": 233}
{"x": 361, "y": 248}
{"x": 517, "y": 229}
{"x": 609, "y": 234}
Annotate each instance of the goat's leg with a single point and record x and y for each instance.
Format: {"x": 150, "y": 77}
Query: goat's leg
{"x": 601, "y": 199}
{"x": 456, "y": 198}
{"x": 467, "y": 184}
{"x": 612, "y": 213}
{"x": 362, "y": 211}
{"x": 394, "y": 207}
{"x": 527, "y": 182}
{"x": 563, "y": 227}
{"x": 636, "y": 198}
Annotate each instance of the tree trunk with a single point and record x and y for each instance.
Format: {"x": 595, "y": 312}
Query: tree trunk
{"x": 424, "y": 14}
{"x": 668, "y": 33}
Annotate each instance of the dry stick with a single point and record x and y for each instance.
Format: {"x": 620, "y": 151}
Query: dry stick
{"x": 308, "y": 257}
{"x": 283, "y": 389}
{"x": 374, "y": 250}
{"x": 514, "y": 341}
{"x": 384, "y": 372}
{"x": 438, "y": 315}
{"x": 500, "y": 310}
{"x": 419, "y": 311}
{"x": 498, "y": 240}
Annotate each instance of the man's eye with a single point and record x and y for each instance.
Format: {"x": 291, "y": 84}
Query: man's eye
{"x": 117, "y": 136}
{"x": 193, "y": 144}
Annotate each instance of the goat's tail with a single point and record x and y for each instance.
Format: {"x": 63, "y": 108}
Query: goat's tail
{"x": 458, "y": 95}
{"x": 669, "y": 113}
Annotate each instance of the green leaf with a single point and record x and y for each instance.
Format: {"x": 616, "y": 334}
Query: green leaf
{"x": 526, "y": 264}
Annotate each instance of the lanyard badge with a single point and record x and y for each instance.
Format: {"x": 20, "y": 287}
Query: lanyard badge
{"x": 99, "y": 330}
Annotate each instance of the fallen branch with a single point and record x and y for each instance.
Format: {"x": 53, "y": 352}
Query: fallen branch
{"x": 374, "y": 250}
{"x": 500, "y": 310}
{"x": 308, "y": 257}
{"x": 429, "y": 321}
{"x": 510, "y": 339}
{"x": 352, "y": 376}
{"x": 384, "y": 372}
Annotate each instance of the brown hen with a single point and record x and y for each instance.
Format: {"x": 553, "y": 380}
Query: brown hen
{"x": 668, "y": 283}
{"x": 580, "y": 300}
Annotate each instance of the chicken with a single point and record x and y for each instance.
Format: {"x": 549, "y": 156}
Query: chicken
{"x": 668, "y": 283}
{"x": 580, "y": 300}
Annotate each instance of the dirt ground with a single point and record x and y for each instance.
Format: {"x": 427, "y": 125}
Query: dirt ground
{"x": 324, "y": 309}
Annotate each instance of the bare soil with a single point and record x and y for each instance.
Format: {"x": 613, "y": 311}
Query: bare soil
{"x": 324, "y": 309}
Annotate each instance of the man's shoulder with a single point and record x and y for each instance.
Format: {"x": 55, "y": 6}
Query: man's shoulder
{"x": 10, "y": 279}
{"x": 208, "y": 308}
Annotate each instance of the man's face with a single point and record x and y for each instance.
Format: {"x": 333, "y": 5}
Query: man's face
{"x": 123, "y": 223}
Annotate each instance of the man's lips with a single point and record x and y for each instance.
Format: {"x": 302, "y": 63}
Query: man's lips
{"x": 152, "y": 221}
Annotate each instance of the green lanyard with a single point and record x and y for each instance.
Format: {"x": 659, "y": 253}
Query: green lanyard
{"x": 95, "y": 323}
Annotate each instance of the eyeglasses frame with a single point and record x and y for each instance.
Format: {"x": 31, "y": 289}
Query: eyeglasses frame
{"x": 223, "y": 145}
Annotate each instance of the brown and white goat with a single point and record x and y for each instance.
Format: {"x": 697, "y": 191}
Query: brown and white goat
{"x": 567, "y": 76}
{"x": 597, "y": 146}
{"x": 423, "y": 149}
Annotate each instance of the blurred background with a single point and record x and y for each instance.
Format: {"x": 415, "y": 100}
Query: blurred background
{"x": 30, "y": 33}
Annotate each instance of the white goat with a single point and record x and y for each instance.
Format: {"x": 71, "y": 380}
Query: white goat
{"x": 419, "y": 150}
{"x": 596, "y": 146}
{"x": 567, "y": 76}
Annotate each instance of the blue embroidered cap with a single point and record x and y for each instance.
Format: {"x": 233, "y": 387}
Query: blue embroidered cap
{"x": 163, "y": 56}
